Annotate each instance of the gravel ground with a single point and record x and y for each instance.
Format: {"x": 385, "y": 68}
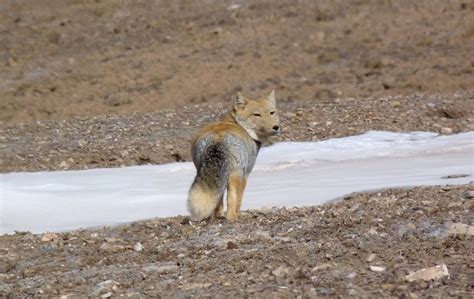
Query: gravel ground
{"x": 362, "y": 246}
{"x": 165, "y": 136}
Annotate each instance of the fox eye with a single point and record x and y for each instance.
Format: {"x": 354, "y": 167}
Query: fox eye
{"x": 272, "y": 112}
{"x": 257, "y": 114}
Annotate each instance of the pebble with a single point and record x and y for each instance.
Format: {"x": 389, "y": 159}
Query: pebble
{"x": 161, "y": 268}
{"x": 324, "y": 266}
{"x": 446, "y": 131}
{"x": 371, "y": 257}
{"x": 192, "y": 286}
{"x": 104, "y": 287}
{"x": 263, "y": 234}
{"x": 138, "y": 247}
{"x": 377, "y": 268}
{"x": 49, "y": 237}
{"x": 63, "y": 164}
{"x": 460, "y": 229}
{"x": 468, "y": 194}
{"x": 428, "y": 274}
{"x": 281, "y": 271}
{"x": 124, "y": 153}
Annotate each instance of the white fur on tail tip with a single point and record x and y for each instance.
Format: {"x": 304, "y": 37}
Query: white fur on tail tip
{"x": 201, "y": 202}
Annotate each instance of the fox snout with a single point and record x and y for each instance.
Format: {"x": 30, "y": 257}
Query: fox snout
{"x": 276, "y": 129}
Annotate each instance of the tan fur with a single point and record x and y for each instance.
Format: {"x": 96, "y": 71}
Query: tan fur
{"x": 224, "y": 153}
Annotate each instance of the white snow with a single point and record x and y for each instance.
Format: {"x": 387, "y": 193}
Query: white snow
{"x": 286, "y": 174}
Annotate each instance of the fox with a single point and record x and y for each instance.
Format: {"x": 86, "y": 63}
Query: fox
{"x": 224, "y": 154}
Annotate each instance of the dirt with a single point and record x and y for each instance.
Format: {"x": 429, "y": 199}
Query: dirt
{"x": 85, "y": 57}
{"x": 89, "y": 84}
{"x": 331, "y": 250}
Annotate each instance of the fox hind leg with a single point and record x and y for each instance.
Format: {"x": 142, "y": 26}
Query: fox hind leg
{"x": 233, "y": 188}
{"x": 219, "y": 211}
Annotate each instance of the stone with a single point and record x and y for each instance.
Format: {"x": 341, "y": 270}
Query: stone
{"x": 324, "y": 266}
{"x": 263, "y": 234}
{"x": 377, "y": 268}
{"x": 104, "y": 287}
{"x": 281, "y": 271}
{"x": 123, "y": 153}
{"x": 161, "y": 268}
{"x": 63, "y": 164}
{"x": 460, "y": 229}
{"x": 192, "y": 286}
{"x": 372, "y": 231}
{"x": 48, "y": 237}
{"x": 468, "y": 194}
{"x": 107, "y": 295}
{"x": 446, "y": 131}
{"x": 428, "y": 274}
{"x": 138, "y": 247}
{"x": 371, "y": 257}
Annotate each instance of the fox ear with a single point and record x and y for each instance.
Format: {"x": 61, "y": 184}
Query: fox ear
{"x": 239, "y": 101}
{"x": 271, "y": 97}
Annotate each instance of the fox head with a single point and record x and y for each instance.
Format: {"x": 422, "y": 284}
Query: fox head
{"x": 258, "y": 117}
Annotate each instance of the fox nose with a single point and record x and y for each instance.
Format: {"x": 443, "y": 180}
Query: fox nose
{"x": 276, "y": 128}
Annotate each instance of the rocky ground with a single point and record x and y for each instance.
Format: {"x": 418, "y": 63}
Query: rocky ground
{"x": 89, "y": 84}
{"x": 365, "y": 245}
{"x": 161, "y": 137}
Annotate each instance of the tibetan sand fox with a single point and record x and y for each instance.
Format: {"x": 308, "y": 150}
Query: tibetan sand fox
{"x": 224, "y": 154}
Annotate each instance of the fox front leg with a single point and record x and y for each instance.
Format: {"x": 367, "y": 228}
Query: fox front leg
{"x": 240, "y": 194}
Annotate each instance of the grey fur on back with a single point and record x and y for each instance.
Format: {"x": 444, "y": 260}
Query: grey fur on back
{"x": 215, "y": 159}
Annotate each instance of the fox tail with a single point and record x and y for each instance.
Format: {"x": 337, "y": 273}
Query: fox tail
{"x": 210, "y": 183}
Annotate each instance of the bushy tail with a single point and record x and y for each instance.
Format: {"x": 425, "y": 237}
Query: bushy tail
{"x": 210, "y": 183}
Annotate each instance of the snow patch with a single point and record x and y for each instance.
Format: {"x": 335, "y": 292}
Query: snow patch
{"x": 286, "y": 174}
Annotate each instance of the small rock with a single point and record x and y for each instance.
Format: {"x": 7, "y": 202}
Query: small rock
{"x": 321, "y": 267}
{"x": 263, "y": 234}
{"x": 299, "y": 113}
{"x": 282, "y": 239}
{"x": 138, "y": 247}
{"x": 232, "y": 245}
{"x": 281, "y": 271}
{"x": 460, "y": 229}
{"x": 192, "y": 286}
{"x": 428, "y": 274}
{"x": 371, "y": 257}
{"x": 124, "y": 153}
{"x": 218, "y": 31}
{"x": 104, "y": 287}
{"x": 234, "y": 6}
{"x": 446, "y": 131}
{"x": 372, "y": 231}
{"x": 468, "y": 194}
{"x": 107, "y": 295}
{"x": 352, "y": 275}
{"x": 48, "y": 237}
{"x": 377, "y": 268}
{"x": 161, "y": 268}
{"x": 63, "y": 164}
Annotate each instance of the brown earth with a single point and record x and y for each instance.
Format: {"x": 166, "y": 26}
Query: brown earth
{"x": 82, "y": 57}
{"x": 88, "y": 84}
